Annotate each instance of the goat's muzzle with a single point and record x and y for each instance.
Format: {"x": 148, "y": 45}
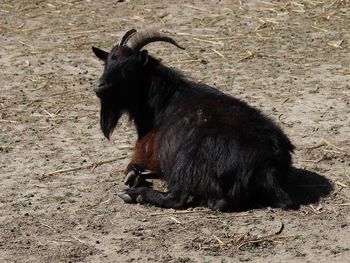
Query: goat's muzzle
{"x": 100, "y": 88}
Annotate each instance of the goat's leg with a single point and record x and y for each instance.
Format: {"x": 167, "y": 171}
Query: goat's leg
{"x": 137, "y": 176}
{"x": 134, "y": 179}
{"x": 219, "y": 204}
{"x": 144, "y": 195}
{"x": 145, "y": 158}
{"x": 273, "y": 192}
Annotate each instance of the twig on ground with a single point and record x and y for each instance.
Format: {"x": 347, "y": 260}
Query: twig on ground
{"x": 50, "y": 227}
{"x": 78, "y": 239}
{"x": 87, "y": 166}
{"x": 268, "y": 238}
{"x": 221, "y": 243}
{"x": 250, "y": 55}
{"x": 344, "y": 204}
{"x": 218, "y": 53}
{"x": 341, "y": 184}
{"x": 208, "y": 41}
{"x": 180, "y": 212}
{"x": 176, "y": 220}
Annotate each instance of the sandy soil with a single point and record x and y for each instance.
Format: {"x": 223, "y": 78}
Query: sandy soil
{"x": 59, "y": 175}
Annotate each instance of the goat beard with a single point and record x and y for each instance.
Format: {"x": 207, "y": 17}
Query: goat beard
{"x": 109, "y": 116}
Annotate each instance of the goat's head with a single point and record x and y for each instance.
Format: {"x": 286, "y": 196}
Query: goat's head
{"x": 124, "y": 68}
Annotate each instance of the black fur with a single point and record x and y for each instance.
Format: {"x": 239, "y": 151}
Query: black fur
{"x": 210, "y": 148}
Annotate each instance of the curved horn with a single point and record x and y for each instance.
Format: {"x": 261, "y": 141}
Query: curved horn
{"x": 126, "y": 36}
{"x": 139, "y": 40}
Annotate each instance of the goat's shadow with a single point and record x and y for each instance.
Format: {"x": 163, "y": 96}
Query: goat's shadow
{"x": 305, "y": 187}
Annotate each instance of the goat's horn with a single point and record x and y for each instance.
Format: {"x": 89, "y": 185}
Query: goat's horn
{"x": 139, "y": 40}
{"x": 126, "y": 36}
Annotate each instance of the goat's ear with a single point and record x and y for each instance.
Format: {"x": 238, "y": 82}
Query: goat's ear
{"x": 143, "y": 55}
{"x": 102, "y": 55}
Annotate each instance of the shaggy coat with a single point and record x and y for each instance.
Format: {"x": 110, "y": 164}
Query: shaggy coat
{"x": 210, "y": 148}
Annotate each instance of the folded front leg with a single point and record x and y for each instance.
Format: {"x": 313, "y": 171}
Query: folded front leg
{"x": 145, "y": 163}
{"x": 136, "y": 178}
{"x": 144, "y": 195}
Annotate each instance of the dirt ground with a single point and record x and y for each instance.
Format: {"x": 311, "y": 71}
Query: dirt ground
{"x": 59, "y": 176}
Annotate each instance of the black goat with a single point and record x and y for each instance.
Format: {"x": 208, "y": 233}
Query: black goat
{"x": 211, "y": 149}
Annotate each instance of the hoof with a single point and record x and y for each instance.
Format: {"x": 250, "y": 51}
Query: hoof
{"x": 127, "y": 198}
{"x": 130, "y": 178}
{"x": 135, "y": 179}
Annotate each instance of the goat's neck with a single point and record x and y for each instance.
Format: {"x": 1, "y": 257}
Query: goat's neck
{"x": 165, "y": 84}
{"x": 154, "y": 102}
{"x": 139, "y": 111}
{"x": 143, "y": 120}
